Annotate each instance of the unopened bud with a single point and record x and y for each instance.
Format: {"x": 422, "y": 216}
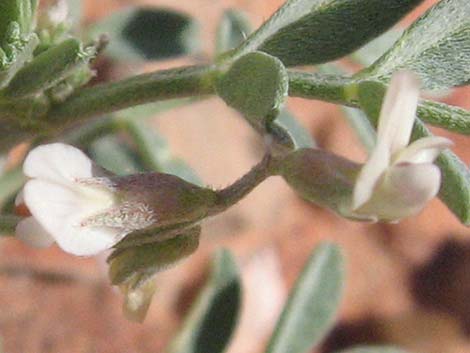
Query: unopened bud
{"x": 320, "y": 177}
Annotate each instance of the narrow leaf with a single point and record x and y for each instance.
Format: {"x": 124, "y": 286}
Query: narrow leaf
{"x": 148, "y": 33}
{"x": 436, "y": 47}
{"x": 313, "y": 303}
{"x": 212, "y": 320}
{"x": 314, "y": 31}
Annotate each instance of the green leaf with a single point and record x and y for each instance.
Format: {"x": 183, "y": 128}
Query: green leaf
{"x": 288, "y": 131}
{"x": 373, "y": 349}
{"x": 232, "y": 30}
{"x": 256, "y": 85}
{"x": 147, "y": 33}
{"x": 436, "y": 47}
{"x": 313, "y": 303}
{"x": 49, "y": 68}
{"x": 113, "y": 154}
{"x": 212, "y": 319}
{"x": 455, "y": 188}
{"x": 305, "y": 32}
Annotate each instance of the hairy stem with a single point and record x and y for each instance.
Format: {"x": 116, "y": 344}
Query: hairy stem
{"x": 329, "y": 88}
{"x": 227, "y": 197}
{"x": 105, "y": 98}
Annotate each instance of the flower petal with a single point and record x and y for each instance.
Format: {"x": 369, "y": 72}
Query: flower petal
{"x": 424, "y": 150}
{"x": 61, "y": 210}
{"x": 369, "y": 175}
{"x": 403, "y": 191}
{"x": 33, "y": 234}
{"x": 398, "y": 111}
{"x": 57, "y": 162}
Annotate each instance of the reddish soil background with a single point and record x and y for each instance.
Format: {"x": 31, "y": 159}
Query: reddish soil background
{"x": 408, "y": 284}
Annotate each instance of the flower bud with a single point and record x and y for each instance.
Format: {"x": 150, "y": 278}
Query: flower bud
{"x": 320, "y": 177}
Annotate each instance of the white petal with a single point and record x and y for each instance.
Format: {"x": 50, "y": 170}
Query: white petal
{"x": 369, "y": 175}
{"x": 398, "y": 111}
{"x": 57, "y": 162}
{"x": 33, "y": 234}
{"x": 424, "y": 150}
{"x": 403, "y": 191}
{"x": 416, "y": 183}
{"x": 61, "y": 211}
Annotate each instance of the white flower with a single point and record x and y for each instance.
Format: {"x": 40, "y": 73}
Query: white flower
{"x": 65, "y": 194}
{"x": 398, "y": 179}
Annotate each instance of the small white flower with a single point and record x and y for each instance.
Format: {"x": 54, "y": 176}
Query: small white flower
{"x": 398, "y": 179}
{"x": 64, "y": 194}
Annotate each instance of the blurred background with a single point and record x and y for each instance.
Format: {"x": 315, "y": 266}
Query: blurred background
{"x": 407, "y": 284}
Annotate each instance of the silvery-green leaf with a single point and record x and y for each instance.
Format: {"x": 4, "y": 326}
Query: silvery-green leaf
{"x": 313, "y": 303}
{"x": 315, "y": 31}
{"x": 256, "y": 85}
{"x": 233, "y": 29}
{"x": 213, "y": 317}
{"x": 436, "y": 47}
{"x": 148, "y": 33}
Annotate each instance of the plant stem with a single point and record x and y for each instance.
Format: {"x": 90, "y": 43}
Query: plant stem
{"x": 329, "y": 88}
{"x": 233, "y": 193}
{"x": 161, "y": 85}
